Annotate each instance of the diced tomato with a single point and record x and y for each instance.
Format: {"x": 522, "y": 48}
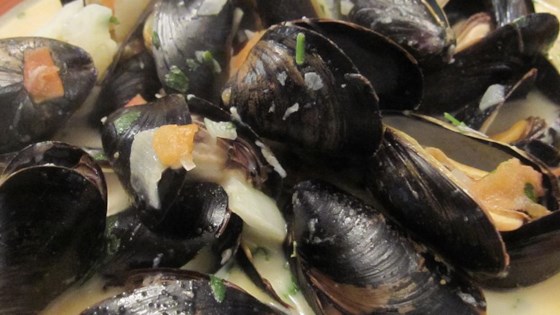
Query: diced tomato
{"x": 174, "y": 144}
{"x": 41, "y": 77}
{"x": 136, "y": 100}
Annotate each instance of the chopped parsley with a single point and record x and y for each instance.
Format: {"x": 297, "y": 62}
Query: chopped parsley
{"x": 293, "y": 289}
{"x": 192, "y": 64}
{"x": 155, "y": 40}
{"x": 218, "y": 288}
{"x": 123, "y": 123}
{"x": 113, "y": 20}
{"x": 176, "y": 79}
{"x": 300, "y": 48}
{"x": 454, "y": 121}
{"x": 530, "y": 192}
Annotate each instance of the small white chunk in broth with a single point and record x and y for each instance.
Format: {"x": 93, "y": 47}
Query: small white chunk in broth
{"x": 290, "y": 110}
{"x": 495, "y": 94}
{"x": 211, "y": 7}
{"x": 234, "y": 113}
{"x": 313, "y": 81}
{"x": 221, "y": 129}
{"x": 271, "y": 159}
{"x": 281, "y": 77}
{"x": 255, "y": 208}
{"x": 145, "y": 167}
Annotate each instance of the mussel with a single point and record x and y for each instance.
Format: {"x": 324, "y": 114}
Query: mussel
{"x": 419, "y": 26}
{"x": 174, "y": 292}
{"x": 186, "y": 61}
{"x": 357, "y": 262}
{"x": 197, "y": 217}
{"x": 297, "y": 86}
{"x": 43, "y": 82}
{"x": 502, "y": 57}
{"x": 471, "y": 222}
{"x": 53, "y": 205}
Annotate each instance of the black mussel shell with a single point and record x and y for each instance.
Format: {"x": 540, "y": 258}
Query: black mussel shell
{"x": 321, "y": 105}
{"x": 526, "y": 266}
{"x": 502, "y": 57}
{"x": 186, "y": 61}
{"x": 274, "y": 12}
{"x": 426, "y": 200}
{"x": 357, "y": 262}
{"x": 122, "y": 126}
{"x": 419, "y": 26}
{"x": 533, "y": 251}
{"x": 197, "y": 217}
{"x": 391, "y": 70}
{"x": 180, "y": 292}
{"x": 22, "y": 120}
{"x": 52, "y": 205}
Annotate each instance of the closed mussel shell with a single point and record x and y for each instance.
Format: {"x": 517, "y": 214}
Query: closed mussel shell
{"x": 187, "y": 62}
{"x": 196, "y": 217}
{"x": 357, "y": 262}
{"x": 26, "y": 115}
{"x": 318, "y": 101}
{"x": 392, "y": 71}
{"x": 180, "y": 292}
{"x": 52, "y": 205}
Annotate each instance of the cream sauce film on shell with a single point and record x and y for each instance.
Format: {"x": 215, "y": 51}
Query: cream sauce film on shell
{"x": 32, "y": 17}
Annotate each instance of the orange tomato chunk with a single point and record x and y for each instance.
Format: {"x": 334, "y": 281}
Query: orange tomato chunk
{"x": 174, "y": 144}
{"x": 41, "y": 76}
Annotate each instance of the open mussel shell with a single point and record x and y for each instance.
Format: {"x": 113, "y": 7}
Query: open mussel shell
{"x": 529, "y": 247}
{"x": 391, "y": 70}
{"x": 197, "y": 217}
{"x": 502, "y": 57}
{"x": 425, "y": 199}
{"x": 419, "y": 26}
{"x": 179, "y": 292}
{"x": 357, "y": 262}
{"x": 53, "y": 205}
{"x": 24, "y": 119}
{"x": 320, "y": 104}
{"x": 186, "y": 61}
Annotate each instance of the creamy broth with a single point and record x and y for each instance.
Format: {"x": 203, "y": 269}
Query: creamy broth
{"x": 27, "y": 18}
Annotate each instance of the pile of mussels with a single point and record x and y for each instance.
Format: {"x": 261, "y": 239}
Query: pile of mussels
{"x": 358, "y": 198}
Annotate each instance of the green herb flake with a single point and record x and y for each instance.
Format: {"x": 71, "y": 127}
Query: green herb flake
{"x": 192, "y": 64}
{"x": 530, "y": 192}
{"x": 123, "y": 123}
{"x": 218, "y": 288}
{"x": 262, "y": 251}
{"x": 155, "y": 40}
{"x": 113, "y": 241}
{"x": 207, "y": 56}
{"x": 456, "y": 122}
{"x": 113, "y": 20}
{"x": 176, "y": 79}
{"x": 100, "y": 156}
{"x": 300, "y": 48}
{"x": 293, "y": 289}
